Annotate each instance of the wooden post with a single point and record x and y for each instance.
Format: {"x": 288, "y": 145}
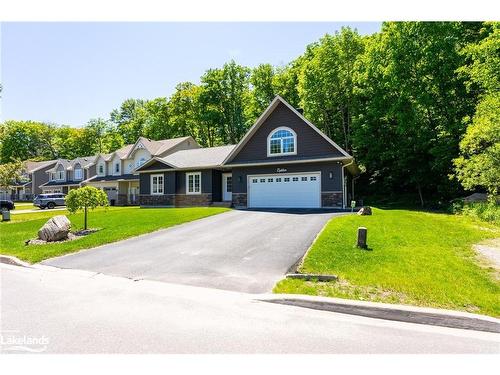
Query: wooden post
{"x": 85, "y": 225}
{"x": 362, "y": 237}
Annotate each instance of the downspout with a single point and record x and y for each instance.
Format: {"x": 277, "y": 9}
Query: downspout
{"x": 344, "y": 202}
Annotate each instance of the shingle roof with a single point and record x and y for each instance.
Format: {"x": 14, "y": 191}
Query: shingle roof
{"x": 157, "y": 148}
{"x": 32, "y": 166}
{"x": 198, "y": 157}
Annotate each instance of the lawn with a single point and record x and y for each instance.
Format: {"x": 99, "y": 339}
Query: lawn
{"x": 116, "y": 223}
{"x": 415, "y": 258}
{"x": 23, "y": 205}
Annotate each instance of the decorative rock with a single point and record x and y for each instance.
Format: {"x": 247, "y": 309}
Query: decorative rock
{"x": 365, "y": 210}
{"x": 55, "y": 229}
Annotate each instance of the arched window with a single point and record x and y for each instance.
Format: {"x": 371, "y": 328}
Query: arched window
{"x": 282, "y": 141}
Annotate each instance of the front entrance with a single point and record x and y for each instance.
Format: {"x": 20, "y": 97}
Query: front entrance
{"x": 227, "y": 187}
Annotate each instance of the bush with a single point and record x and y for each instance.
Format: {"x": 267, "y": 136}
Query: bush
{"x": 486, "y": 211}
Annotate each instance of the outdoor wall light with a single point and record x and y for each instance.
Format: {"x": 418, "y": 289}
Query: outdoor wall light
{"x": 240, "y": 178}
{"x": 331, "y": 175}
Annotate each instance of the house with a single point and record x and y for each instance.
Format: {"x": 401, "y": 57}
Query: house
{"x": 115, "y": 172}
{"x": 29, "y": 185}
{"x": 68, "y": 174}
{"x": 282, "y": 161}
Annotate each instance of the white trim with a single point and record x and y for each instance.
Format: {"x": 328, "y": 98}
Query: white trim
{"x": 264, "y": 116}
{"x": 158, "y": 185}
{"x": 149, "y": 162}
{"x": 274, "y": 162}
{"x": 269, "y": 155}
{"x": 187, "y": 183}
{"x": 224, "y": 186}
{"x": 81, "y": 174}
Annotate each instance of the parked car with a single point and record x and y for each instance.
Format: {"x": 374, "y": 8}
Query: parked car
{"x": 49, "y": 200}
{"x": 6, "y": 205}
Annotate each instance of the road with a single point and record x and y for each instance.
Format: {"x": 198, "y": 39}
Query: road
{"x": 69, "y": 311}
{"x": 241, "y": 250}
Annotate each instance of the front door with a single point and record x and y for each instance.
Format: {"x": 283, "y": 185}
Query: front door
{"x": 227, "y": 187}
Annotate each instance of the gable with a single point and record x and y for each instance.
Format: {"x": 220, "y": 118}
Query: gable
{"x": 310, "y": 143}
{"x": 155, "y": 165}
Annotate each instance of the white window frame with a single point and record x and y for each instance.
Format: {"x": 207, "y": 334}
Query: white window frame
{"x": 159, "y": 186}
{"x": 60, "y": 175}
{"x": 103, "y": 169}
{"x": 117, "y": 164}
{"x": 281, "y": 142}
{"x": 52, "y": 176}
{"x": 80, "y": 177}
{"x": 194, "y": 174}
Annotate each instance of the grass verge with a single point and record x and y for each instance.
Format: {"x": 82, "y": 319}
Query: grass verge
{"x": 116, "y": 223}
{"x": 415, "y": 258}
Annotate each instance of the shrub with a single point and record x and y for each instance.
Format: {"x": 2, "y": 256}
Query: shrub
{"x": 486, "y": 211}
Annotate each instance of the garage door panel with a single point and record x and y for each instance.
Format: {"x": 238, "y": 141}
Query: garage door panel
{"x": 285, "y": 190}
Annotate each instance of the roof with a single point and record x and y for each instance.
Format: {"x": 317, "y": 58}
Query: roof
{"x": 156, "y": 148}
{"x": 61, "y": 183}
{"x": 97, "y": 178}
{"x": 84, "y": 162}
{"x": 32, "y": 166}
{"x": 195, "y": 158}
{"x": 64, "y": 162}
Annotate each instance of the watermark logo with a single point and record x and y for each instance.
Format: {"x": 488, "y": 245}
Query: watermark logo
{"x": 12, "y": 341}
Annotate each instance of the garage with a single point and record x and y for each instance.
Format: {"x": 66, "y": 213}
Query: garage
{"x": 294, "y": 190}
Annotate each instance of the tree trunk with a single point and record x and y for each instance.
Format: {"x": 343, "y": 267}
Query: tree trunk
{"x": 419, "y": 188}
{"x": 85, "y": 220}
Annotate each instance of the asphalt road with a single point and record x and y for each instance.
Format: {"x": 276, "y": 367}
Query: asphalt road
{"x": 68, "y": 311}
{"x": 245, "y": 251}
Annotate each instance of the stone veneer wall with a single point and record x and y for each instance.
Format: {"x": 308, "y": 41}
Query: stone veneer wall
{"x": 331, "y": 199}
{"x": 239, "y": 199}
{"x": 189, "y": 200}
{"x": 157, "y": 200}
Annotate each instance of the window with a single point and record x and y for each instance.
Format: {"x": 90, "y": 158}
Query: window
{"x": 254, "y": 180}
{"x": 295, "y": 179}
{"x": 101, "y": 168}
{"x": 60, "y": 175}
{"x": 281, "y": 141}
{"x": 262, "y": 180}
{"x": 269, "y": 180}
{"x": 52, "y": 176}
{"x": 157, "y": 184}
{"x": 78, "y": 174}
{"x": 229, "y": 184}
{"x": 287, "y": 179}
{"x": 304, "y": 178}
{"x": 278, "y": 179}
{"x": 313, "y": 178}
{"x": 117, "y": 167}
{"x": 193, "y": 183}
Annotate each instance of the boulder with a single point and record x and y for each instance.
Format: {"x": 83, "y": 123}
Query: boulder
{"x": 476, "y": 197}
{"x": 365, "y": 210}
{"x": 55, "y": 229}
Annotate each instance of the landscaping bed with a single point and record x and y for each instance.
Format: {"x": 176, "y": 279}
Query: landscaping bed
{"x": 415, "y": 258}
{"x": 116, "y": 223}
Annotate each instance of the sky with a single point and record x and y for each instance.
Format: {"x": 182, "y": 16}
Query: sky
{"x": 68, "y": 73}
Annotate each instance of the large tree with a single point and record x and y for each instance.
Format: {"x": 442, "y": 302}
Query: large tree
{"x": 479, "y": 163}
{"x": 327, "y": 84}
{"x": 128, "y": 121}
{"x": 185, "y": 116}
{"x": 408, "y": 129}
{"x": 262, "y": 92}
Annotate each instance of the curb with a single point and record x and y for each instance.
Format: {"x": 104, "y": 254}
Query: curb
{"x": 401, "y": 313}
{"x": 13, "y": 261}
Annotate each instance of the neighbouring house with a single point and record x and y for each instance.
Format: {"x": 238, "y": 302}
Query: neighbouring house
{"x": 283, "y": 161}
{"x": 29, "y": 185}
{"x": 115, "y": 172}
{"x": 68, "y": 174}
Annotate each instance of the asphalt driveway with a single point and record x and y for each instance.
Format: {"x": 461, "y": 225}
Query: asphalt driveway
{"x": 245, "y": 251}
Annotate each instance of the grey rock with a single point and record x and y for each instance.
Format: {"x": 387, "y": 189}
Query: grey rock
{"x": 55, "y": 229}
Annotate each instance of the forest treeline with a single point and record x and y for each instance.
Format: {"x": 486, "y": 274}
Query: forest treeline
{"x": 417, "y": 104}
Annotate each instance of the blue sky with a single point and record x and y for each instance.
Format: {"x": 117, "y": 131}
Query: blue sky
{"x": 68, "y": 73}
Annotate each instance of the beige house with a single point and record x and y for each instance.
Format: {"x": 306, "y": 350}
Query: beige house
{"x": 115, "y": 172}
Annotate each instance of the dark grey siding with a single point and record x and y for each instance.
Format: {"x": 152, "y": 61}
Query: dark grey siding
{"x": 168, "y": 180}
{"x": 91, "y": 171}
{"x": 310, "y": 144}
{"x": 206, "y": 181}
{"x": 216, "y": 186}
{"x": 327, "y": 184}
{"x": 40, "y": 177}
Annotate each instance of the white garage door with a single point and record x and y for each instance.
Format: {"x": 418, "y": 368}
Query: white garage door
{"x": 285, "y": 190}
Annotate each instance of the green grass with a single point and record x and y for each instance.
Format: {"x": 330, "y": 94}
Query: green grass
{"x": 23, "y": 205}
{"x": 416, "y": 258}
{"x": 116, "y": 223}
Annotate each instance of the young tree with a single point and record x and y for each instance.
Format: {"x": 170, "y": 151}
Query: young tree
{"x": 84, "y": 198}
{"x": 10, "y": 173}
